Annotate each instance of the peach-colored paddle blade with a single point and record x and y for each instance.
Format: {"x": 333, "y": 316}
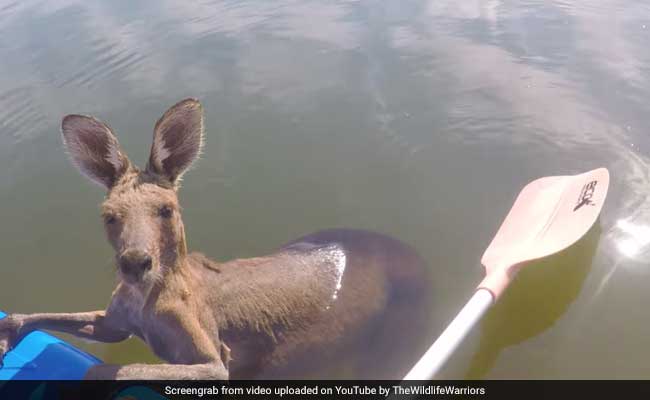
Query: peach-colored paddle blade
{"x": 549, "y": 215}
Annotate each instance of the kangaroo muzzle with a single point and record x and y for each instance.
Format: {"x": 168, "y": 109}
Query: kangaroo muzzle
{"x": 135, "y": 263}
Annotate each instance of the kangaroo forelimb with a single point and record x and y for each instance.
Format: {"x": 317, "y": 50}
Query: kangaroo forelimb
{"x": 214, "y": 370}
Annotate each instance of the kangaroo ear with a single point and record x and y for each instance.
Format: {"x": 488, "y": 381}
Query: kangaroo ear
{"x": 94, "y": 150}
{"x": 177, "y": 140}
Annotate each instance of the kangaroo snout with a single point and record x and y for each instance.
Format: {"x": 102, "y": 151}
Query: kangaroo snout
{"x": 135, "y": 262}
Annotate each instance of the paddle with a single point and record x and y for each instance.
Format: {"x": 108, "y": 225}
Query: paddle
{"x": 549, "y": 215}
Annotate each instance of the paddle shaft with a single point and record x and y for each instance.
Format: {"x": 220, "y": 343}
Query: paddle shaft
{"x": 549, "y": 215}
{"x": 434, "y": 359}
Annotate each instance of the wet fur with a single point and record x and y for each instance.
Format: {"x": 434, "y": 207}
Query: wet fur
{"x": 311, "y": 303}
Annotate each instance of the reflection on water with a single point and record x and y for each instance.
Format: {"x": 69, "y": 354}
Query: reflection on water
{"x": 539, "y": 296}
{"x": 631, "y": 240}
{"x": 417, "y": 118}
{"x": 635, "y": 238}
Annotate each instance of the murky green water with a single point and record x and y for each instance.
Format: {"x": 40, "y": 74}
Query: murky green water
{"x": 419, "y": 119}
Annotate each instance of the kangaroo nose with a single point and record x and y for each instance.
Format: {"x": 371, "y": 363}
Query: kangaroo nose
{"x": 135, "y": 262}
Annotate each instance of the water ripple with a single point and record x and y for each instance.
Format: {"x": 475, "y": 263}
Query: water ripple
{"x": 20, "y": 116}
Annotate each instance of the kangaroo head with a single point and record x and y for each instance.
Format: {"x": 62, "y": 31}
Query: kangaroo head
{"x": 141, "y": 213}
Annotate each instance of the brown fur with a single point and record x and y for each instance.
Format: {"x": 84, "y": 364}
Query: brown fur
{"x": 310, "y": 303}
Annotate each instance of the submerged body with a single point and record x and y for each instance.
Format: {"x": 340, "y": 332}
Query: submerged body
{"x": 328, "y": 299}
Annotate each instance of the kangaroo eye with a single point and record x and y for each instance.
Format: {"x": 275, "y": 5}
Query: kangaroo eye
{"x": 110, "y": 219}
{"x": 165, "y": 212}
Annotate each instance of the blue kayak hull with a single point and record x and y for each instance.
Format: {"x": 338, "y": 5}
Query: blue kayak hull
{"x": 43, "y": 357}
{"x": 40, "y": 356}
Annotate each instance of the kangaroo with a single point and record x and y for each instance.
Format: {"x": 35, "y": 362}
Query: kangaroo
{"x": 314, "y": 301}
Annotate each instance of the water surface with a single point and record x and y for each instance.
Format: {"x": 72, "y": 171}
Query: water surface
{"x": 418, "y": 119}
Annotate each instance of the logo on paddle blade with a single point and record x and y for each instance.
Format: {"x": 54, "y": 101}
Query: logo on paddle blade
{"x": 586, "y": 194}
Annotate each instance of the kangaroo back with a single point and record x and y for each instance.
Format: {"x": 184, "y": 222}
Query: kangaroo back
{"x": 371, "y": 327}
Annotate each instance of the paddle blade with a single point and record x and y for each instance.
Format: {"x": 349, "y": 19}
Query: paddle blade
{"x": 549, "y": 215}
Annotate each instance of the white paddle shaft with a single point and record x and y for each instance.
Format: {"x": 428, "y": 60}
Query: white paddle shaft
{"x": 440, "y": 351}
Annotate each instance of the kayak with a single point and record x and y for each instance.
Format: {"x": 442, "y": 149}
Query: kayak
{"x": 43, "y": 357}
{"x": 40, "y": 356}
